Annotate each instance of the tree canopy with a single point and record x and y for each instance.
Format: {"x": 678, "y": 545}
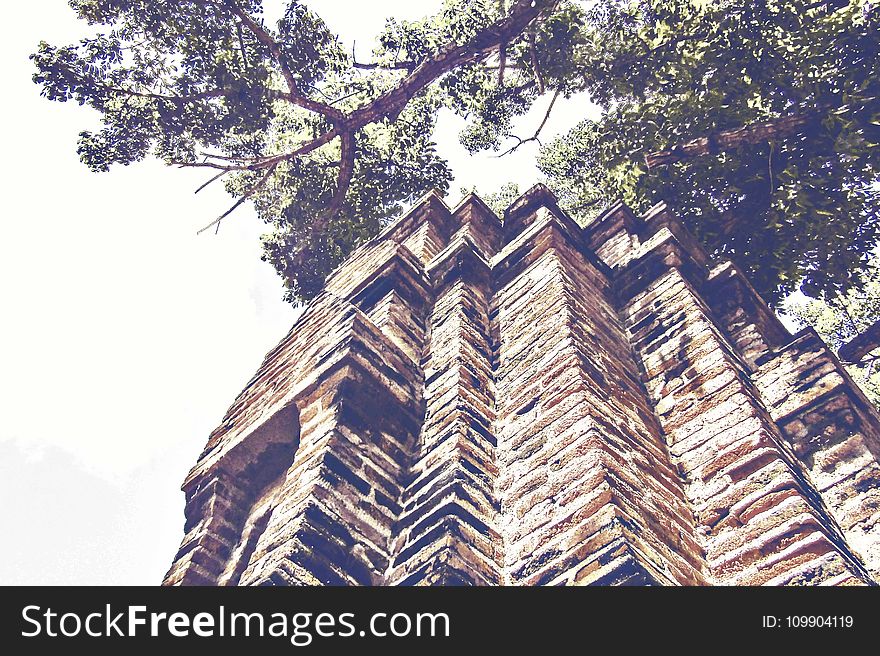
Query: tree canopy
{"x": 757, "y": 121}
{"x": 767, "y": 115}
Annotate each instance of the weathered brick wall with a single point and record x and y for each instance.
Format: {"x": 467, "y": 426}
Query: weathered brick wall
{"x": 587, "y": 490}
{"x": 527, "y": 402}
{"x": 446, "y": 533}
{"x": 833, "y": 432}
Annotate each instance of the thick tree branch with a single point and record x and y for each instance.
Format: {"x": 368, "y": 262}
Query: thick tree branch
{"x": 392, "y": 102}
{"x": 755, "y": 133}
{"x": 244, "y": 59}
{"x": 859, "y": 346}
{"x": 388, "y": 105}
{"x": 502, "y": 51}
{"x": 343, "y": 182}
{"x": 448, "y": 58}
{"x": 533, "y": 53}
{"x": 346, "y": 170}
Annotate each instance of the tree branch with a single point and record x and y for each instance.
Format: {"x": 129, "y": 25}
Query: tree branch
{"x": 214, "y": 93}
{"x": 343, "y": 182}
{"x": 255, "y": 163}
{"x": 388, "y": 105}
{"x": 346, "y": 170}
{"x": 502, "y": 50}
{"x": 294, "y": 95}
{"x": 244, "y": 59}
{"x": 346, "y": 96}
{"x": 860, "y": 345}
{"x": 396, "y": 66}
{"x": 392, "y": 102}
{"x": 216, "y": 177}
{"x": 502, "y": 64}
{"x": 449, "y": 57}
{"x": 537, "y": 134}
{"x": 755, "y": 133}
{"x": 533, "y": 53}
{"x": 250, "y": 192}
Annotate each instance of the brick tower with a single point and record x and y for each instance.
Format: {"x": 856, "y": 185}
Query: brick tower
{"x": 530, "y": 402}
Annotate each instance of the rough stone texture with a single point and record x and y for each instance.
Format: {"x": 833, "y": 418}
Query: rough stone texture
{"x": 473, "y": 401}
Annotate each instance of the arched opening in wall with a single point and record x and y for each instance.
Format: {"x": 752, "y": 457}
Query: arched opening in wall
{"x": 260, "y": 467}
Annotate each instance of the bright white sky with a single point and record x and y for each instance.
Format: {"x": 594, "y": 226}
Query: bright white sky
{"x": 124, "y": 335}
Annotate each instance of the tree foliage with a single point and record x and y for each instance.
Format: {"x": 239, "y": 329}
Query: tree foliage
{"x": 499, "y": 200}
{"x": 329, "y": 148}
{"x": 797, "y": 206}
